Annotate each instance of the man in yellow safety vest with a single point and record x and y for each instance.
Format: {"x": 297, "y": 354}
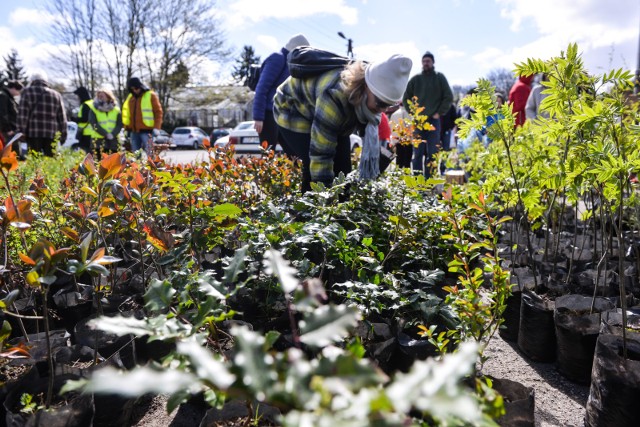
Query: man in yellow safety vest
{"x": 141, "y": 113}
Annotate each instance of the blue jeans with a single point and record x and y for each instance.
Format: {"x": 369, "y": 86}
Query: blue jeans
{"x": 139, "y": 140}
{"x": 423, "y": 153}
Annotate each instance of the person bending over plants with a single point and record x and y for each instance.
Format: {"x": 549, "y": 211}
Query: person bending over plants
{"x": 316, "y": 114}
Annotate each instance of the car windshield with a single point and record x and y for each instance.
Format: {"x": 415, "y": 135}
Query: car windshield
{"x": 181, "y": 131}
{"x": 244, "y": 125}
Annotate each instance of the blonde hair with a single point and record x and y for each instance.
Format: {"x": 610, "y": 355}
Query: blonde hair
{"x": 353, "y": 81}
{"x": 107, "y": 92}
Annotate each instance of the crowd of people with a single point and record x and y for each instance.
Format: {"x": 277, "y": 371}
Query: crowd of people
{"x": 314, "y": 115}
{"x": 311, "y": 116}
{"x": 41, "y": 118}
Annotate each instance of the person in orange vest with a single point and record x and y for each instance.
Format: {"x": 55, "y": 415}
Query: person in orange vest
{"x": 141, "y": 114}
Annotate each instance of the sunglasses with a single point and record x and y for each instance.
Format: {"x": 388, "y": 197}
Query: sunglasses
{"x": 380, "y": 104}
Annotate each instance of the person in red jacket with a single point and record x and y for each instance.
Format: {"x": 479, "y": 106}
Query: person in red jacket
{"x": 518, "y": 96}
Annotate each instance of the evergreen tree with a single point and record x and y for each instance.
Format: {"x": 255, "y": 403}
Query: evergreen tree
{"x": 13, "y": 68}
{"x": 179, "y": 77}
{"x": 244, "y": 63}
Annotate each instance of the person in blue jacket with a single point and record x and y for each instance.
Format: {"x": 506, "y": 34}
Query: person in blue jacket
{"x": 274, "y": 71}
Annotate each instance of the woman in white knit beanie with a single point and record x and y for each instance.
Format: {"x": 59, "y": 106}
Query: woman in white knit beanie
{"x": 316, "y": 115}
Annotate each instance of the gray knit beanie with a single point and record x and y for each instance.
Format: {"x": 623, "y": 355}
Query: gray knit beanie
{"x": 296, "y": 41}
{"x": 388, "y": 79}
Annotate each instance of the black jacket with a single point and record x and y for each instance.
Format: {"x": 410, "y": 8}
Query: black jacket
{"x": 8, "y": 111}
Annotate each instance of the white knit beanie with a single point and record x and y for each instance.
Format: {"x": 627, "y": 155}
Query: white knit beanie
{"x": 388, "y": 79}
{"x": 295, "y": 41}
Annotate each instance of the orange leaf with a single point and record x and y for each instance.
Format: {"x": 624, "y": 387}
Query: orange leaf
{"x": 160, "y": 239}
{"x": 16, "y": 352}
{"x": 206, "y": 143}
{"x": 111, "y": 165}
{"x": 105, "y": 210}
{"x": 9, "y": 161}
{"x": 26, "y": 259}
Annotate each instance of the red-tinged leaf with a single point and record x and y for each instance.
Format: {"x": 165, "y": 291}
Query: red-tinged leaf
{"x": 20, "y": 212}
{"x": 264, "y": 144}
{"x": 18, "y": 351}
{"x": 160, "y": 239}
{"x": 99, "y": 253}
{"x": 83, "y": 210}
{"x": 107, "y": 259}
{"x": 481, "y": 197}
{"x": 26, "y": 259}
{"x": 71, "y": 233}
{"x": 111, "y": 165}
{"x": 89, "y": 165}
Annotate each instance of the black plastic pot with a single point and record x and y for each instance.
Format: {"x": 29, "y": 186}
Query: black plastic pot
{"x": 576, "y": 334}
{"x": 37, "y": 344}
{"x": 106, "y": 343}
{"x": 615, "y": 383}
{"x": 537, "y": 336}
{"x": 511, "y": 315}
{"x": 519, "y": 403}
{"x": 76, "y": 411}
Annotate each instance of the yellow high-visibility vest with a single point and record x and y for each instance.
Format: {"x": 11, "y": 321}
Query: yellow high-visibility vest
{"x": 86, "y": 129}
{"x": 108, "y": 120}
{"x": 147, "y": 110}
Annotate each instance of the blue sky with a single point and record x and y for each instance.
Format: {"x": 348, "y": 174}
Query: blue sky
{"x": 468, "y": 38}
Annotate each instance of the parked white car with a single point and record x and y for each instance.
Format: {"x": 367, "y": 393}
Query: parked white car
{"x": 189, "y": 136}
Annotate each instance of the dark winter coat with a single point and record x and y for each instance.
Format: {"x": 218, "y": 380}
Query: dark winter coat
{"x": 274, "y": 72}
{"x": 8, "y": 111}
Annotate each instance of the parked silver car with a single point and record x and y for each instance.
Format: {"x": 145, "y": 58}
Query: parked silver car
{"x": 189, "y": 136}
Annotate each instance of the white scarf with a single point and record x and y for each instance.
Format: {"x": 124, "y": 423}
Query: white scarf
{"x": 370, "y": 158}
{"x": 104, "y": 106}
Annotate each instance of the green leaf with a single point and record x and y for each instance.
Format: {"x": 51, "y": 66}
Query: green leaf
{"x": 328, "y": 324}
{"x": 275, "y": 264}
{"x": 207, "y": 367}
{"x": 227, "y": 210}
{"x": 158, "y": 296}
{"x": 84, "y": 247}
{"x": 255, "y": 367}
{"x": 137, "y": 382}
{"x": 236, "y": 266}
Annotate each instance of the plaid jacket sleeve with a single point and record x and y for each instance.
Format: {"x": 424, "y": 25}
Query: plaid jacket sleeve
{"x": 331, "y": 113}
